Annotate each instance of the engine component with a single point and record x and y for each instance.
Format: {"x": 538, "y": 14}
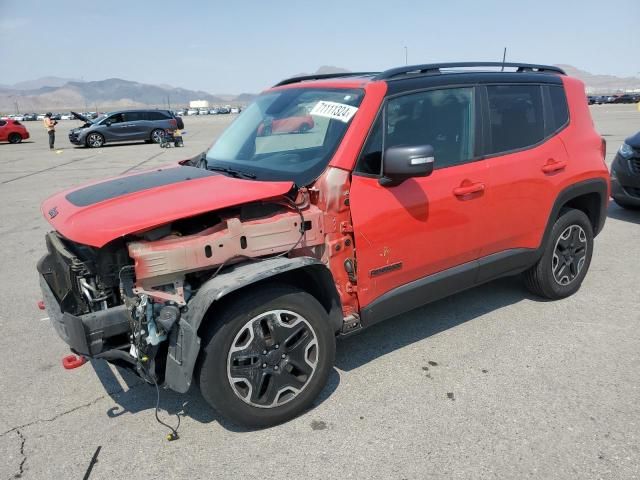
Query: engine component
{"x": 168, "y": 316}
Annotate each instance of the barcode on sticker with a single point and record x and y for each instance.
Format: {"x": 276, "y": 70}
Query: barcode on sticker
{"x": 337, "y": 111}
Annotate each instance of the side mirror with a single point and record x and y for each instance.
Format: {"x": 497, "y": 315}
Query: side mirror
{"x": 403, "y": 162}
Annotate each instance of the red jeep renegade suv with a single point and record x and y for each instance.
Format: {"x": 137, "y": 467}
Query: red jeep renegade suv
{"x": 238, "y": 268}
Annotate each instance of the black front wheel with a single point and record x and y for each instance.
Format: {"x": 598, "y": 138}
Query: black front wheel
{"x": 566, "y": 257}
{"x": 267, "y": 356}
{"x": 95, "y": 140}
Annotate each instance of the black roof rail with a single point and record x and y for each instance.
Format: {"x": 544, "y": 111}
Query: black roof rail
{"x": 435, "y": 68}
{"x": 321, "y": 76}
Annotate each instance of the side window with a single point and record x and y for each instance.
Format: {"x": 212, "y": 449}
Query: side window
{"x": 443, "y": 119}
{"x": 559, "y": 108}
{"x": 2, "y": 123}
{"x": 370, "y": 161}
{"x": 516, "y": 117}
{"x": 134, "y": 116}
{"x": 116, "y": 118}
{"x": 156, "y": 116}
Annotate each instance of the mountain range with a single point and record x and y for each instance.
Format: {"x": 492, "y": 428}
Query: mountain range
{"x": 56, "y": 93}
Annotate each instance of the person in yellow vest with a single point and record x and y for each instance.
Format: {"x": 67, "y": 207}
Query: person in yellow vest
{"x": 50, "y": 125}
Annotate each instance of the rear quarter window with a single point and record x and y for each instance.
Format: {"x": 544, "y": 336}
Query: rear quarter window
{"x": 559, "y": 114}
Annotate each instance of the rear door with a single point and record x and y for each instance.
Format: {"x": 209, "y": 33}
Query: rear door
{"x": 3, "y": 130}
{"x": 424, "y": 225}
{"x": 527, "y": 161}
{"x": 136, "y": 125}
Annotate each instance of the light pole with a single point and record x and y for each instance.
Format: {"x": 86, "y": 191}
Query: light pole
{"x": 406, "y": 56}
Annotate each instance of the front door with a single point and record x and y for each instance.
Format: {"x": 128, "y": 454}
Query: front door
{"x": 424, "y": 225}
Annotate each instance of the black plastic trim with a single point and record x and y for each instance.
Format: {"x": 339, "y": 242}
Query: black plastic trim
{"x": 435, "y": 68}
{"x": 443, "y": 284}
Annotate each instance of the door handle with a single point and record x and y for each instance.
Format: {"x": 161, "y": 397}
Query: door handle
{"x": 552, "y": 166}
{"x": 468, "y": 189}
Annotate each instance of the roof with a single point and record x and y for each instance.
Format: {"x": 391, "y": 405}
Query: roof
{"x": 411, "y": 71}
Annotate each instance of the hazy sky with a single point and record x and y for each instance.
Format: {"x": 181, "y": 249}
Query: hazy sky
{"x": 244, "y": 46}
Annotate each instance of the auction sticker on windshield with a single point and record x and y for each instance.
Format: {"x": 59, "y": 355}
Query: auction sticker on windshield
{"x": 337, "y": 111}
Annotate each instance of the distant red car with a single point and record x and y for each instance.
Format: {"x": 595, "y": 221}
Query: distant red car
{"x": 300, "y": 124}
{"x": 12, "y": 131}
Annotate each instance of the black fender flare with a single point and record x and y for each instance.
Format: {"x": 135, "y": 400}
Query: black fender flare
{"x": 184, "y": 342}
{"x": 572, "y": 192}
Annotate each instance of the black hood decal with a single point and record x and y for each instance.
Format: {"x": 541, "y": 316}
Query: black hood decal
{"x": 134, "y": 183}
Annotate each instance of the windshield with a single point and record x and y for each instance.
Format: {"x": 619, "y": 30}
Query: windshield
{"x": 97, "y": 120}
{"x": 289, "y": 134}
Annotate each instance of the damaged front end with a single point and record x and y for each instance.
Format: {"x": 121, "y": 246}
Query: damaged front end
{"x": 127, "y": 301}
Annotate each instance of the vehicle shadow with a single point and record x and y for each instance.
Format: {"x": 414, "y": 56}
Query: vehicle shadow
{"x": 624, "y": 214}
{"x": 115, "y": 145}
{"x": 423, "y": 322}
{"x": 140, "y": 396}
{"x": 352, "y": 353}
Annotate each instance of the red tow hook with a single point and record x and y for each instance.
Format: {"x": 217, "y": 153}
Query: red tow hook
{"x": 41, "y": 304}
{"x": 71, "y": 361}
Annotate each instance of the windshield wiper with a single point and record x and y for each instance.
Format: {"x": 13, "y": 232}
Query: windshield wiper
{"x": 232, "y": 172}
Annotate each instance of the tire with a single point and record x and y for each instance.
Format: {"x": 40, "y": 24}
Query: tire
{"x": 94, "y": 140}
{"x": 262, "y": 392}
{"x": 15, "y": 138}
{"x": 156, "y": 135}
{"x": 628, "y": 206}
{"x": 566, "y": 258}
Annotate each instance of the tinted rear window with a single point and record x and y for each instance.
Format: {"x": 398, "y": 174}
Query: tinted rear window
{"x": 559, "y": 108}
{"x": 134, "y": 116}
{"x": 157, "y": 116}
{"x": 516, "y": 117}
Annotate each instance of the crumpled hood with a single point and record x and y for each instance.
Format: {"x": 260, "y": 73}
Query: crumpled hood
{"x": 101, "y": 212}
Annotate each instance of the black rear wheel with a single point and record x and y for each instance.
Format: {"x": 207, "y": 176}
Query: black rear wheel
{"x": 566, "y": 258}
{"x": 15, "y": 138}
{"x": 157, "y": 135}
{"x": 267, "y": 356}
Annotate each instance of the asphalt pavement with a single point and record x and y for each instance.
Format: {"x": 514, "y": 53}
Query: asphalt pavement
{"x": 489, "y": 383}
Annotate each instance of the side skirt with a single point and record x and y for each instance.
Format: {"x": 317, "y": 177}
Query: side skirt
{"x": 447, "y": 282}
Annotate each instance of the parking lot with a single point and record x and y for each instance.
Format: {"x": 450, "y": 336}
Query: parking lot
{"x": 492, "y": 382}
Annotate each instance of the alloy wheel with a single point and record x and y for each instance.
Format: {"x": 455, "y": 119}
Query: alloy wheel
{"x": 272, "y": 358}
{"x": 569, "y": 254}
{"x": 95, "y": 140}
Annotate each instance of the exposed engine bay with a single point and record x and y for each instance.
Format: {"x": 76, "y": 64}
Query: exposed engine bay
{"x": 126, "y": 297}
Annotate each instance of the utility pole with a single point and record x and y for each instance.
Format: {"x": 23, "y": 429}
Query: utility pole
{"x": 168, "y": 101}
{"x": 406, "y": 56}
{"x": 504, "y": 57}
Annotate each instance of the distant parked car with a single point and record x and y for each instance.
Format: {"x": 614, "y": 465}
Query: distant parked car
{"x": 30, "y": 117}
{"x": 67, "y": 116}
{"x": 12, "y": 131}
{"x": 203, "y": 111}
{"x": 179, "y": 113}
{"x": 224, "y": 110}
{"x": 591, "y": 100}
{"x": 213, "y": 111}
{"x": 192, "y": 111}
{"x": 235, "y": 110}
{"x": 626, "y": 98}
{"x": 625, "y": 174}
{"x": 301, "y": 124}
{"x": 18, "y": 117}
{"x": 124, "y": 126}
